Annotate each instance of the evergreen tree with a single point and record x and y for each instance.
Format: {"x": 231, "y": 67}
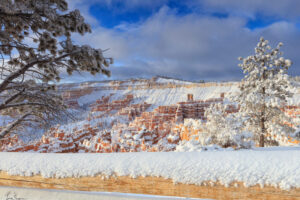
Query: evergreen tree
{"x": 264, "y": 91}
{"x": 35, "y": 47}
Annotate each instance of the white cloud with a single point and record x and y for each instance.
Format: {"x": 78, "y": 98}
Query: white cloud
{"x": 278, "y": 8}
{"x": 191, "y": 46}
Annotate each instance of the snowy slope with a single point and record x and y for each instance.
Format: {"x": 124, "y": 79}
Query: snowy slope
{"x": 168, "y": 96}
{"x": 159, "y": 97}
{"x": 165, "y": 96}
{"x": 278, "y": 167}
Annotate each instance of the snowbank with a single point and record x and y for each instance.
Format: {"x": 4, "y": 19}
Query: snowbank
{"x": 16, "y": 193}
{"x": 275, "y": 167}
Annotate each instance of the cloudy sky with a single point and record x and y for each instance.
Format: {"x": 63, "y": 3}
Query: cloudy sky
{"x": 187, "y": 39}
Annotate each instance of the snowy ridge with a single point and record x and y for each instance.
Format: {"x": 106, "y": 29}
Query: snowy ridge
{"x": 278, "y": 167}
{"x": 160, "y": 96}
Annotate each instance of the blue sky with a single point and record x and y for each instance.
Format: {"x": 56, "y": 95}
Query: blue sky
{"x": 187, "y": 39}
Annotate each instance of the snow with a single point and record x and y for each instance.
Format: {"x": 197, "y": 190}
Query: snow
{"x": 278, "y": 167}
{"x": 170, "y": 96}
{"x": 194, "y": 145}
{"x": 170, "y": 80}
{"x": 161, "y": 97}
{"x": 45, "y": 194}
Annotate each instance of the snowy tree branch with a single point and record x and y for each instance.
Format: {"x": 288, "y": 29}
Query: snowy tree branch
{"x": 13, "y": 125}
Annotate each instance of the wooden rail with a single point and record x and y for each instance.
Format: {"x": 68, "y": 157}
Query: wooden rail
{"x": 150, "y": 185}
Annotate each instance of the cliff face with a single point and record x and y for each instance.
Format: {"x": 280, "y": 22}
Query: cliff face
{"x": 132, "y": 115}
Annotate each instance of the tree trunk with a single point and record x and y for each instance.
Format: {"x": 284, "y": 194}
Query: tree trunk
{"x": 261, "y": 140}
{"x": 262, "y": 119}
{"x": 262, "y": 128}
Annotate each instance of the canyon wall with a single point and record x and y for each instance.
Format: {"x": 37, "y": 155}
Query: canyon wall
{"x": 128, "y": 116}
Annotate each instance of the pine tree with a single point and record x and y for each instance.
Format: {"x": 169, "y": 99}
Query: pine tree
{"x": 264, "y": 91}
{"x": 35, "y": 47}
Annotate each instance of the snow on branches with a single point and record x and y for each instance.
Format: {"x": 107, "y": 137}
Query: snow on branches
{"x": 35, "y": 48}
{"x": 264, "y": 91}
{"x": 226, "y": 129}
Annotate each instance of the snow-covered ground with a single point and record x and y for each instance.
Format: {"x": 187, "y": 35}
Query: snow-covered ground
{"x": 277, "y": 167}
{"x": 168, "y": 96}
{"x": 158, "y": 97}
{"x": 14, "y": 193}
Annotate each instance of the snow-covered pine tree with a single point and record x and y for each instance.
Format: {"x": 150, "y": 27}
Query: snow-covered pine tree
{"x": 36, "y": 47}
{"x": 264, "y": 91}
